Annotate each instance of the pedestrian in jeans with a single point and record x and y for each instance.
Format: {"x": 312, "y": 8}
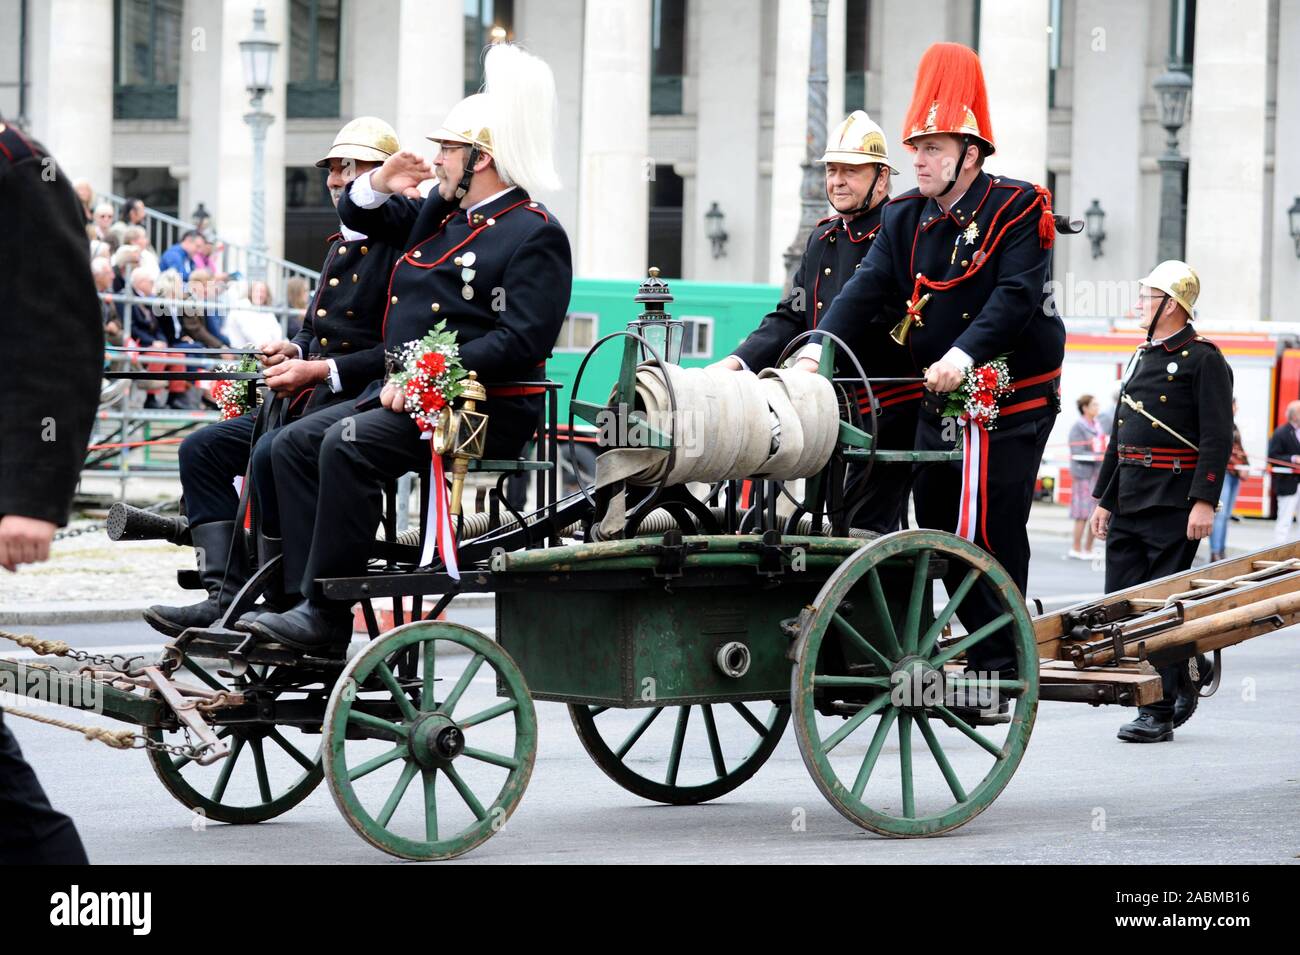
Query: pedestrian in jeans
{"x": 1237, "y": 465}
{"x": 1284, "y": 451}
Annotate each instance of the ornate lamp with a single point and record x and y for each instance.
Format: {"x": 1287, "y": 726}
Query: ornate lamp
{"x": 1095, "y": 217}
{"x": 654, "y": 324}
{"x": 462, "y": 433}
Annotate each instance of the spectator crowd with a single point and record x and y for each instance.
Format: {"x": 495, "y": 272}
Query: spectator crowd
{"x": 176, "y": 300}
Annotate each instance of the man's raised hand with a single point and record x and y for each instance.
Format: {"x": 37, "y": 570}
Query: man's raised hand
{"x": 401, "y": 172}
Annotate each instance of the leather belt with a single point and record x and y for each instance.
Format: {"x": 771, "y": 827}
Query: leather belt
{"x": 1165, "y": 459}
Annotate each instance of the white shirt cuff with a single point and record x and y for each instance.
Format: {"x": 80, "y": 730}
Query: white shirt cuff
{"x": 812, "y": 350}
{"x": 955, "y": 356}
{"x": 297, "y": 346}
{"x": 335, "y": 382}
{"x": 743, "y": 364}
{"x": 364, "y": 195}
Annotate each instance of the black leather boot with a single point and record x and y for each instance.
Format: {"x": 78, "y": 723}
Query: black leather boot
{"x": 321, "y": 629}
{"x": 213, "y": 541}
{"x": 1147, "y": 728}
{"x": 1195, "y": 674}
{"x": 277, "y": 598}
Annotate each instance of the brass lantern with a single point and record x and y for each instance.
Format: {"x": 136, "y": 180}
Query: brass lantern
{"x": 462, "y": 433}
{"x": 655, "y": 325}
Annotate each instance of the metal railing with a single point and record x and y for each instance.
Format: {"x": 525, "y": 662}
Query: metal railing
{"x": 231, "y": 257}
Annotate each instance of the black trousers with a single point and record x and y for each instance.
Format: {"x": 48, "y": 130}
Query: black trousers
{"x": 32, "y": 832}
{"x": 330, "y": 468}
{"x": 210, "y": 460}
{"x": 1015, "y": 451}
{"x": 1146, "y": 546}
{"x": 884, "y": 500}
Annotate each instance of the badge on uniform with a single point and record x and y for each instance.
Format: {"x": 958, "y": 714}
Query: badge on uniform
{"x": 1171, "y": 367}
{"x": 467, "y": 275}
{"x": 972, "y": 233}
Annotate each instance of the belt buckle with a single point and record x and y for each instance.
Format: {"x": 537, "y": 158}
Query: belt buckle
{"x": 1178, "y": 465}
{"x": 1146, "y": 459}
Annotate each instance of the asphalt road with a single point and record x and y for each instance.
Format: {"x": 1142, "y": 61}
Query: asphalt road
{"x": 1227, "y": 789}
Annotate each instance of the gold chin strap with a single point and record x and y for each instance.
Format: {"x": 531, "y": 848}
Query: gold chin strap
{"x": 1137, "y": 406}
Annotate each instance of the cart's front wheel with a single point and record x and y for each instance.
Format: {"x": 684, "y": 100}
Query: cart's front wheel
{"x": 874, "y": 672}
{"x": 418, "y": 702}
{"x": 681, "y": 754}
{"x": 271, "y": 768}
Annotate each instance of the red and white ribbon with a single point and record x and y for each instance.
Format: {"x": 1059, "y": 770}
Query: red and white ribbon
{"x": 974, "y": 479}
{"x": 439, "y": 534}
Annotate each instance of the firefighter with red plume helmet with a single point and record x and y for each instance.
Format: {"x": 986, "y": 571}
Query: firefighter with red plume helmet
{"x": 967, "y": 254}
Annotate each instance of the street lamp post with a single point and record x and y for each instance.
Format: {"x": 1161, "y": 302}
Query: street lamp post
{"x": 1173, "y": 88}
{"x": 813, "y": 191}
{"x": 258, "y": 54}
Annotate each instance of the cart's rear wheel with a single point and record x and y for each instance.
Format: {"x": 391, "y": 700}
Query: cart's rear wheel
{"x": 730, "y": 743}
{"x": 270, "y": 768}
{"x": 387, "y": 724}
{"x": 870, "y": 676}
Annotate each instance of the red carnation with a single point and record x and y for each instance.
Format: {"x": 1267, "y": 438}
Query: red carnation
{"x": 431, "y": 401}
{"x": 433, "y": 363}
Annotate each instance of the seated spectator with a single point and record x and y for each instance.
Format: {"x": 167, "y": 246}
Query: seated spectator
{"x": 169, "y": 291}
{"x": 133, "y": 211}
{"x": 86, "y": 195}
{"x": 104, "y": 216}
{"x": 181, "y": 255}
{"x": 102, "y": 272}
{"x": 207, "y": 256}
{"x": 203, "y": 320}
{"x": 298, "y": 295}
{"x": 248, "y": 328}
{"x": 135, "y": 251}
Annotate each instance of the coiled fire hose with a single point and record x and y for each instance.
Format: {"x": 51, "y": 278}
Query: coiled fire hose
{"x": 781, "y": 424}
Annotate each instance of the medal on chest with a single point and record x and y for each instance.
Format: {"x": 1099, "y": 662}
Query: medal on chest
{"x": 467, "y": 274}
{"x": 970, "y": 234}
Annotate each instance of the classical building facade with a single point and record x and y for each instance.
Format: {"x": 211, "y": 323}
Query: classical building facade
{"x": 672, "y": 108}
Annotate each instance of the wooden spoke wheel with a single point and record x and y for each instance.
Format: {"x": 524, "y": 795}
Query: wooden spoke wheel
{"x": 271, "y": 768}
{"x": 446, "y": 719}
{"x": 681, "y": 755}
{"x": 883, "y": 717}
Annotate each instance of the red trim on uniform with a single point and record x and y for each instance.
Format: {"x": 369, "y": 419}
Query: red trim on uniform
{"x": 534, "y": 207}
{"x": 514, "y": 391}
{"x": 902, "y": 399}
{"x": 406, "y": 256}
{"x": 1022, "y": 406}
{"x": 1036, "y": 380}
{"x": 866, "y": 236}
{"x": 336, "y": 236}
{"x": 306, "y": 393}
{"x": 5, "y": 150}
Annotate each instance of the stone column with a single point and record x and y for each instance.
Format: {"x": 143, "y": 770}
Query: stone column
{"x": 1013, "y": 51}
{"x": 221, "y": 143}
{"x": 613, "y": 196}
{"x": 1109, "y": 91}
{"x": 547, "y": 29}
{"x": 1225, "y": 209}
{"x": 902, "y": 44}
{"x": 405, "y": 63}
{"x": 727, "y": 139}
{"x": 70, "y": 101}
{"x": 1284, "y": 284}
{"x": 789, "y": 130}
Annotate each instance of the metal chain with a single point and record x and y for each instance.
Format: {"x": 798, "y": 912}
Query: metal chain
{"x": 57, "y": 648}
